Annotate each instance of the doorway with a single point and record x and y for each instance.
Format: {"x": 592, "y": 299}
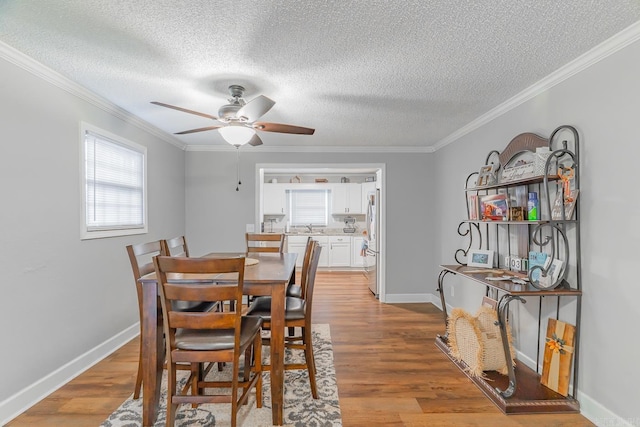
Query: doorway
{"x": 325, "y": 175}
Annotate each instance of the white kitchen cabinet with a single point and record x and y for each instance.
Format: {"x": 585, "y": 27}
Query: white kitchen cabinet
{"x": 346, "y": 199}
{"x": 274, "y": 201}
{"x": 298, "y": 245}
{"x": 323, "y": 241}
{"x": 357, "y": 260}
{"x": 339, "y": 251}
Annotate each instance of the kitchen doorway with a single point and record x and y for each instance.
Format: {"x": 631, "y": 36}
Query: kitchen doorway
{"x": 371, "y": 181}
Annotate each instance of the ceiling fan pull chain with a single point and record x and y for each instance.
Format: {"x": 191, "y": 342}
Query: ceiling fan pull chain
{"x": 238, "y": 167}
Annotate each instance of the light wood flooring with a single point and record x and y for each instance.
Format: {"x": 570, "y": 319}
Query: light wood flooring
{"x": 388, "y": 369}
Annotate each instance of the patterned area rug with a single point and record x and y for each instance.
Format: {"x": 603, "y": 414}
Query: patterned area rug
{"x": 300, "y": 409}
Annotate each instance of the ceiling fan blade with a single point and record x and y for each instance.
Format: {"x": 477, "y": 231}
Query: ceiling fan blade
{"x": 184, "y": 110}
{"x": 281, "y": 128}
{"x": 255, "y": 108}
{"x": 255, "y": 140}
{"x": 184, "y": 132}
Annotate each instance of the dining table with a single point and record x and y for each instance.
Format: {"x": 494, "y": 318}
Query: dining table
{"x": 270, "y": 276}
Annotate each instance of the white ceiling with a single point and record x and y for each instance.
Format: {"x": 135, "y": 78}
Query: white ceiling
{"x": 380, "y": 74}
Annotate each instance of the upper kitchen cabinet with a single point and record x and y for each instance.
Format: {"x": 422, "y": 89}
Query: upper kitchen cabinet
{"x": 346, "y": 199}
{"x": 274, "y": 201}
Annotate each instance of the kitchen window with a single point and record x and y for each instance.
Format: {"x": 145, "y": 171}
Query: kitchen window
{"x": 114, "y": 185}
{"x": 305, "y": 207}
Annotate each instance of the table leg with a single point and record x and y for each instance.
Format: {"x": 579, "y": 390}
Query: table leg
{"x": 277, "y": 352}
{"x": 152, "y": 353}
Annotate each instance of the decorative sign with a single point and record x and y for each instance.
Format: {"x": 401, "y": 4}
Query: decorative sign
{"x": 517, "y": 172}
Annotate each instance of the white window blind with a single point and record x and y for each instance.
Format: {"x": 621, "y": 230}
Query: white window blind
{"x": 114, "y": 187}
{"x": 308, "y": 207}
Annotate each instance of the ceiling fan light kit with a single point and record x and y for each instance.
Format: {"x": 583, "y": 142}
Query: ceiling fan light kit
{"x": 238, "y": 117}
{"x": 236, "y": 134}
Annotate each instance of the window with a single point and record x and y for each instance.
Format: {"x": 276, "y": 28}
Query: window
{"x": 308, "y": 207}
{"x": 114, "y": 185}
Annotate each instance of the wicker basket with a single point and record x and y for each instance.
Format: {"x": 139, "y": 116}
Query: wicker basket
{"x": 476, "y": 340}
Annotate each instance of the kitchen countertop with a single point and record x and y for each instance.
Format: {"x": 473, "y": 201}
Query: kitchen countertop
{"x": 326, "y": 232}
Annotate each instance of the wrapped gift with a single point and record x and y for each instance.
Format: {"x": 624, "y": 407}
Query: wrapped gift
{"x": 558, "y": 355}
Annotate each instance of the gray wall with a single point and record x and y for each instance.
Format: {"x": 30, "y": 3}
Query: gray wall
{"x": 64, "y": 299}
{"x": 217, "y": 214}
{"x": 603, "y": 103}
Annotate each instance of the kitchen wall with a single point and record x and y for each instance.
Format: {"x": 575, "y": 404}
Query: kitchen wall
{"x": 67, "y": 303}
{"x": 602, "y": 102}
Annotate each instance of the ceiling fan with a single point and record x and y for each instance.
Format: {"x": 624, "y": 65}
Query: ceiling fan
{"x": 238, "y": 119}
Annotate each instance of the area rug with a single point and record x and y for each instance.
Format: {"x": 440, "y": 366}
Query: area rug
{"x": 300, "y": 409}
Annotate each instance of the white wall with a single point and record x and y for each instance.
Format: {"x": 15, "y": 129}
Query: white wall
{"x": 65, "y": 302}
{"x": 603, "y": 103}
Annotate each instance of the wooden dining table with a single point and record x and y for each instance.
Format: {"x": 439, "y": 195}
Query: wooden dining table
{"x": 269, "y": 276}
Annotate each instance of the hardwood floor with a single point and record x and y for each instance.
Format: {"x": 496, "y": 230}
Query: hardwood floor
{"x": 388, "y": 369}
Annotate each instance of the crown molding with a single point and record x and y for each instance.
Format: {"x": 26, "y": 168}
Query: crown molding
{"x": 316, "y": 149}
{"x": 610, "y": 46}
{"x": 39, "y": 70}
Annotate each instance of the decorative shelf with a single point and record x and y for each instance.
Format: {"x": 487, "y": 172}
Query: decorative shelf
{"x": 530, "y": 396}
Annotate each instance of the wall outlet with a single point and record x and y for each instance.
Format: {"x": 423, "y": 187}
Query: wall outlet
{"x": 250, "y": 228}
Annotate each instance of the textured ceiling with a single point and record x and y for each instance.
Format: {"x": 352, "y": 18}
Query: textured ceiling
{"x": 371, "y": 73}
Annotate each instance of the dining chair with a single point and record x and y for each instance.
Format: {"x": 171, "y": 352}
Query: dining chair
{"x": 213, "y": 336}
{"x": 297, "y": 314}
{"x": 176, "y": 246}
{"x": 141, "y": 259}
{"x": 265, "y": 242}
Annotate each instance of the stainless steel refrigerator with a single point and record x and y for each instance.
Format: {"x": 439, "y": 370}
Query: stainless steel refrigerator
{"x": 371, "y": 240}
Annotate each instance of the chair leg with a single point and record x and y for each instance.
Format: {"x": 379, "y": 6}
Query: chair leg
{"x": 171, "y": 391}
{"x": 257, "y": 355}
{"x": 136, "y": 391}
{"x": 311, "y": 363}
{"x": 292, "y": 331}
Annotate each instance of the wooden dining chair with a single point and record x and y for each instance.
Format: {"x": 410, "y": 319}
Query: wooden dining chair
{"x": 265, "y": 242}
{"x": 214, "y": 336}
{"x": 297, "y": 314}
{"x": 141, "y": 260}
{"x": 176, "y": 246}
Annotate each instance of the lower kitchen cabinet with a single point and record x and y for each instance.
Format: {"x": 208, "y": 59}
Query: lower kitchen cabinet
{"x": 336, "y": 250}
{"x": 339, "y": 251}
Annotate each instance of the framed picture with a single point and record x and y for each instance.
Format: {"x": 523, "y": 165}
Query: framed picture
{"x": 486, "y": 176}
{"x": 494, "y": 207}
{"x": 555, "y": 268}
{"x": 480, "y": 258}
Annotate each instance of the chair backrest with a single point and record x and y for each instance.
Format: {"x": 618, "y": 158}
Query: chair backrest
{"x": 192, "y": 289}
{"x": 141, "y": 257}
{"x": 311, "y": 279}
{"x": 305, "y": 263}
{"x": 176, "y": 247}
{"x": 274, "y": 242}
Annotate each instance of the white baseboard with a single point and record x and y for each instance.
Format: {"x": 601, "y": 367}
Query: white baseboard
{"x": 29, "y": 396}
{"x": 409, "y": 298}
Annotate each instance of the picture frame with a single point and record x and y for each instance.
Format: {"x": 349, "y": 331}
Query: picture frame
{"x": 494, "y": 207}
{"x": 480, "y": 258}
{"x": 486, "y": 176}
{"x": 553, "y": 272}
